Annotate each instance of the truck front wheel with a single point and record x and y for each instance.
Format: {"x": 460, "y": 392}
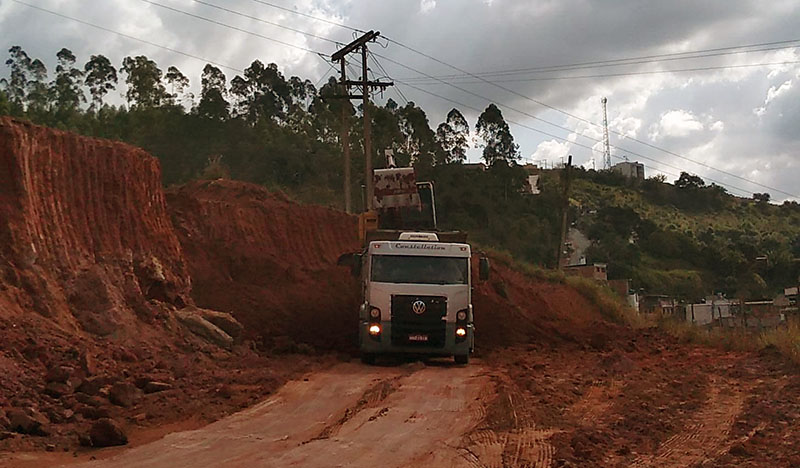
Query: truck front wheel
{"x": 461, "y": 358}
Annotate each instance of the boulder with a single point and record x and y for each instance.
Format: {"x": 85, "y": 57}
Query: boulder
{"x": 92, "y": 385}
{"x": 191, "y": 319}
{"x": 106, "y": 433}
{"x": 154, "y": 387}
{"x": 28, "y": 421}
{"x": 124, "y": 394}
{"x": 4, "y": 423}
{"x": 60, "y": 374}
{"x": 57, "y": 389}
{"x": 224, "y": 321}
{"x": 91, "y": 412}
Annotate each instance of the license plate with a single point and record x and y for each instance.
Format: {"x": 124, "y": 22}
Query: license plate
{"x": 418, "y": 338}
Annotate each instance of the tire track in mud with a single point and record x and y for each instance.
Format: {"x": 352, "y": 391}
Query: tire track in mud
{"x": 371, "y": 397}
{"x": 595, "y": 404}
{"x": 706, "y": 434}
{"x": 522, "y": 444}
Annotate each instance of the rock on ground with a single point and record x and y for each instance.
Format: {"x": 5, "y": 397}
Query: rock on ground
{"x": 106, "y": 433}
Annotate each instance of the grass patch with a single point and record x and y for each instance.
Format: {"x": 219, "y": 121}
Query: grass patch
{"x": 611, "y": 306}
{"x": 785, "y": 339}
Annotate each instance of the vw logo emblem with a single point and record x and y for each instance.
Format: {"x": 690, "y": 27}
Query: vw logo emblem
{"x": 418, "y": 307}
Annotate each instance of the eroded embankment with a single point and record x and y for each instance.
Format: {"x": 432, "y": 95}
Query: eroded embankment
{"x": 270, "y": 262}
{"x": 93, "y": 285}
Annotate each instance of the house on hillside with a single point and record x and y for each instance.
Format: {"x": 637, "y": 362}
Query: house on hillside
{"x": 595, "y": 271}
{"x": 631, "y": 170}
{"x": 712, "y": 309}
{"x": 660, "y": 305}
{"x": 623, "y": 289}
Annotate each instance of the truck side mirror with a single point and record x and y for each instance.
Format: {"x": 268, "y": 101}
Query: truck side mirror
{"x": 483, "y": 268}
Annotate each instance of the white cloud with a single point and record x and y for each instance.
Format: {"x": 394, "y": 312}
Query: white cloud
{"x": 675, "y": 123}
{"x": 426, "y": 6}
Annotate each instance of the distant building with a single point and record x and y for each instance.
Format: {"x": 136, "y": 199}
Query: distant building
{"x": 658, "y": 304}
{"x": 713, "y": 309}
{"x": 531, "y": 185}
{"x": 475, "y": 166}
{"x": 631, "y": 170}
{"x": 597, "y": 271}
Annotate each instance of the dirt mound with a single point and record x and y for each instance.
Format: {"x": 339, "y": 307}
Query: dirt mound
{"x": 85, "y": 238}
{"x": 513, "y": 308}
{"x": 270, "y": 262}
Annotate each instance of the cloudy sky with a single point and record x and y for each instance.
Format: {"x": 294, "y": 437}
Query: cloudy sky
{"x": 738, "y": 125}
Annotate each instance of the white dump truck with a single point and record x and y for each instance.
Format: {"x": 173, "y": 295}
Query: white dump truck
{"x": 417, "y": 284}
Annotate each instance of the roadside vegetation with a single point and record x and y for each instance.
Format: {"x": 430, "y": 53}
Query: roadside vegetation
{"x": 785, "y": 339}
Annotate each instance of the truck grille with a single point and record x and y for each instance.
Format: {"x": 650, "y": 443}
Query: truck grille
{"x": 409, "y": 327}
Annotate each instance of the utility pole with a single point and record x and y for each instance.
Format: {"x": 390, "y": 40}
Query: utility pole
{"x": 566, "y": 179}
{"x": 345, "y": 139}
{"x": 365, "y": 86}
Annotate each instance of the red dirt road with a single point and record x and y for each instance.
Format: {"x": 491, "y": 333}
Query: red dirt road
{"x": 350, "y": 415}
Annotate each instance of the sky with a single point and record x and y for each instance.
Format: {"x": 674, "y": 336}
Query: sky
{"x": 736, "y": 126}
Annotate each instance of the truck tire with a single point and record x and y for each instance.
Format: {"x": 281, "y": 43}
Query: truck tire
{"x": 368, "y": 359}
{"x": 461, "y": 358}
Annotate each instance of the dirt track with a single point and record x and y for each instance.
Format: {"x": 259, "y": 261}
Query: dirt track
{"x": 350, "y": 415}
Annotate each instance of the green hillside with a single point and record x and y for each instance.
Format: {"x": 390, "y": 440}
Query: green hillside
{"x": 688, "y": 239}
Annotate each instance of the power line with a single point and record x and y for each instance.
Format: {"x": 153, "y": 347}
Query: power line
{"x": 255, "y": 18}
{"x": 573, "y": 116}
{"x": 627, "y": 61}
{"x": 295, "y": 12}
{"x": 322, "y": 55}
{"x": 383, "y": 70}
{"x": 609, "y": 75}
{"x": 128, "y": 36}
{"x": 530, "y": 99}
{"x": 718, "y": 49}
{"x": 475, "y": 109}
{"x": 225, "y": 25}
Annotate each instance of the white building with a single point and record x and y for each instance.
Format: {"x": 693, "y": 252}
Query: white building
{"x": 631, "y": 170}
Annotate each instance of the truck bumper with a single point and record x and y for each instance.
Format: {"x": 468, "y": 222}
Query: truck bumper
{"x": 383, "y": 343}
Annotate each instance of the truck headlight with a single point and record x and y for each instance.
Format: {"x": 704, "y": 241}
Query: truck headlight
{"x": 374, "y": 312}
{"x": 374, "y": 329}
{"x": 461, "y": 315}
{"x": 461, "y": 332}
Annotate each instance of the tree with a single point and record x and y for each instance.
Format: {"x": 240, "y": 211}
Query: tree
{"x": 452, "y": 135}
{"x": 145, "y": 89}
{"x": 177, "y": 82}
{"x": 66, "y": 88}
{"x": 38, "y": 95}
{"x": 101, "y": 77}
{"x": 498, "y": 143}
{"x": 5, "y": 106}
{"x": 16, "y": 83}
{"x": 420, "y": 141}
{"x": 212, "y": 98}
{"x": 761, "y": 197}
{"x": 689, "y": 181}
{"x": 261, "y": 93}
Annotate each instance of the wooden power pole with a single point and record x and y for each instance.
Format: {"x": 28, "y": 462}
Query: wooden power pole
{"x": 566, "y": 180}
{"x": 365, "y": 86}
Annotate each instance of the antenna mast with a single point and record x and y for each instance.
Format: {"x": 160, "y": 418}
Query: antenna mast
{"x": 606, "y": 144}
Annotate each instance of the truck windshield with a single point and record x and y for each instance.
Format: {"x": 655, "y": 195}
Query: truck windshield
{"x": 420, "y": 269}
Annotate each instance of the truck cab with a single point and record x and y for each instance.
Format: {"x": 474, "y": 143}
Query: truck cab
{"x": 417, "y": 298}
